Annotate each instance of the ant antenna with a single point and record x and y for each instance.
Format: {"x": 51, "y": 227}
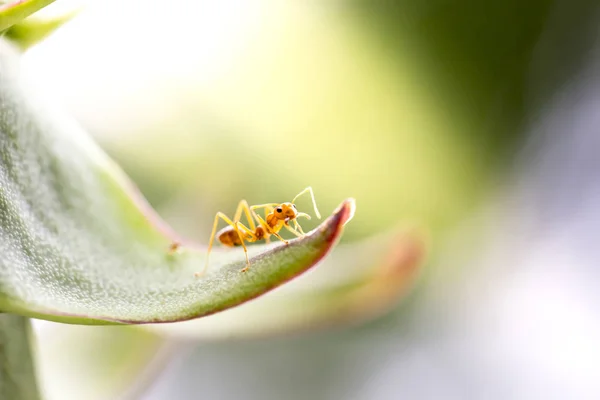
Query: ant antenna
{"x": 312, "y": 195}
{"x": 301, "y": 214}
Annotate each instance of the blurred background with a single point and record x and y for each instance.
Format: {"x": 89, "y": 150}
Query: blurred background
{"x": 477, "y": 121}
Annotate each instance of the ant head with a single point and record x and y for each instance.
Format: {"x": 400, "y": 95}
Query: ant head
{"x": 288, "y": 212}
{"x": 285, "y": 211}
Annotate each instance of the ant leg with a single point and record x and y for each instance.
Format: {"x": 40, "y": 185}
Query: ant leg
{"x": 237, "y": 227}
{"x": 245, "y": 208}
{"x": 212, "y": 238}
{"x": 268, "y": 208}
{"x": 263, "y": 206}
{"x": 279, "y": 237}
{"x": 298, "y": 227}
{"x": 297, "y": 224}
{"x": 251, "y": 238}
{"x": 312, "y": 196}
{"x": 295, "y": 232}
{"x": 269, "y": 230}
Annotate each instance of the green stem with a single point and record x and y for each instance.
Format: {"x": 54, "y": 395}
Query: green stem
{"x": 17, "y": 374}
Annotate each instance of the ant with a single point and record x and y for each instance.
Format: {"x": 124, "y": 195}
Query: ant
{"x": 277, "y": 216}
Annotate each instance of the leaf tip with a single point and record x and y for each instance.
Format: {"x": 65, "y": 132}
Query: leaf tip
{"x": 349, "y": 206}
{"x": 334, "y": 224}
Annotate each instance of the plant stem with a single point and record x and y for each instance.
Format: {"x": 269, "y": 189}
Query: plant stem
{"x": 17, "y": 374}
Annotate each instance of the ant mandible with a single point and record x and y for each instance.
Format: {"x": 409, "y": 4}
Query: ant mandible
{"x": 277, "y": 216}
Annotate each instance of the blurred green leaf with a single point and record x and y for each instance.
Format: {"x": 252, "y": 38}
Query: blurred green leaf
{"x": 80, "y": 245}
{"x": 16, "y": 11}
{"x": 17, "y": 376}
{"x": 33, "y": 30}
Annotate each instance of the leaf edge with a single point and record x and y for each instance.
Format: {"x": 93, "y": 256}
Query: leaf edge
{"x": 332, "y": 227}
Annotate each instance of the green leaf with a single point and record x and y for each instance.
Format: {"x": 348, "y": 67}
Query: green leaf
{"x": 358, "y": 282}
{"x": 80, "y": 245}
{"x": 15, "y": 11}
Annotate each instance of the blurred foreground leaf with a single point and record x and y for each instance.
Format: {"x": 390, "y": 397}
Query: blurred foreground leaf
{"x": 34, "y": 30}
{"x": 80, "y": 245}
{"x": 13, "y": 12}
